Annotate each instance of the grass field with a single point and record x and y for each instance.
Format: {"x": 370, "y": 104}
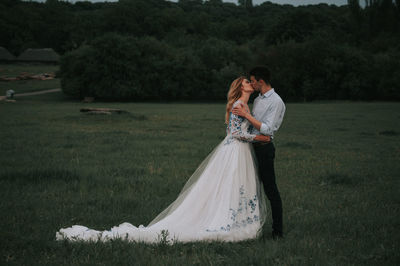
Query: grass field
{"x": 337, "y": 169}
{"x": 22, "y": 86}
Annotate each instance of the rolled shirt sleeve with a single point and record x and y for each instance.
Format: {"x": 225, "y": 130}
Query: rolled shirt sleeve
{"x": 269, "y": 111}
{"x": 265, "y": 129}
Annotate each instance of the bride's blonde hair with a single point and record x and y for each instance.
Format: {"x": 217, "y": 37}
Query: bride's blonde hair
{"x": 234, "y": 94}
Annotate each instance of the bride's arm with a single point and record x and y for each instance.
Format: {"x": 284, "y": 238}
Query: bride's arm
{"x": 240, "y": 110}
{"x": 269, "y": 123}
{"x": 236, "y": 131}
{"x": 243, "y": 110}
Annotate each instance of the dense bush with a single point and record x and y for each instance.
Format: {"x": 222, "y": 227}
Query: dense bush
{"x": 130, "y": 68}
{"x": 106, "y": 68}
{"x": 319, "y": 70}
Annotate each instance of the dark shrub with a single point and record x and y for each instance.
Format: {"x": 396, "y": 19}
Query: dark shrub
{"x": 116, "y": 67}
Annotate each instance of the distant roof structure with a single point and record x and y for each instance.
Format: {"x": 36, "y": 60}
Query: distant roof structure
{"x": 5, "y": 55}
{"x": 39, "y": 55}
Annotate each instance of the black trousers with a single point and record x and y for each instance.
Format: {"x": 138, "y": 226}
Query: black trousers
{"x": 265, "y": 157}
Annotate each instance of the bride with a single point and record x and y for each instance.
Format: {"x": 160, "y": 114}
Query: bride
{"x": 222, "y": 200}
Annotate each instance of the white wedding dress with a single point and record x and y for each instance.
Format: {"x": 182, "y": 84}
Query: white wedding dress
{"x": 222, "y": 200}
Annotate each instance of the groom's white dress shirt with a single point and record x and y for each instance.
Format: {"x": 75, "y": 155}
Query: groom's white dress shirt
{"x": 269, "y": 109}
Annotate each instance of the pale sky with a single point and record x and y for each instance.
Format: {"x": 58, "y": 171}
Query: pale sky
{"x": 256, "y": 2}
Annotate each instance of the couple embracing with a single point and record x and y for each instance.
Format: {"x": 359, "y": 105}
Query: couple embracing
{"x": 224, "y": 199}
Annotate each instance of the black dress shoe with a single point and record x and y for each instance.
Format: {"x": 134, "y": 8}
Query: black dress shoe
{"x": 277, "y": 235}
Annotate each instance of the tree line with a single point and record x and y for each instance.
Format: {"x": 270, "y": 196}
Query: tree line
{"x": 193, "y": 49}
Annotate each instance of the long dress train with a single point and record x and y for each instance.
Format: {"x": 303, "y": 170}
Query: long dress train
{"x": 222, "y": 200}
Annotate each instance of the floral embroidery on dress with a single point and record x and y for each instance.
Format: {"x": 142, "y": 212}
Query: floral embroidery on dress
{"x": 250, "y": 129}
{"x": 238, "y": 129}
{"x": 246, "y": 207}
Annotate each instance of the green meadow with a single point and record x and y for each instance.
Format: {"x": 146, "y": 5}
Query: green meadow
{"x": 337, "y": 167}
{"x": 29, "y": 85}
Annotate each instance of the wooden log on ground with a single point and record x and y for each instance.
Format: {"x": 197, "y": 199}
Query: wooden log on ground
{"x": 102, "y": 110}
{"x": 99, "y": 113}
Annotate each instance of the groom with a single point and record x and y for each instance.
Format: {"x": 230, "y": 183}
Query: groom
{"x": 268, "y": 111}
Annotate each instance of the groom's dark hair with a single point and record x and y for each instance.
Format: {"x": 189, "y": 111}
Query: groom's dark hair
{"x": 261, "y": 72}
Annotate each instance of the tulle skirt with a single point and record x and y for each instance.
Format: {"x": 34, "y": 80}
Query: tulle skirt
{"x": 222, "y": 200}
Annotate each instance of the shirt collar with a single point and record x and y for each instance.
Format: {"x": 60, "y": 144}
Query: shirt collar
{"x": 267, "y": 94}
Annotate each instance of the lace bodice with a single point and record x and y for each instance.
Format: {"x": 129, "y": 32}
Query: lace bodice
{"x": 238, "y": 128}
